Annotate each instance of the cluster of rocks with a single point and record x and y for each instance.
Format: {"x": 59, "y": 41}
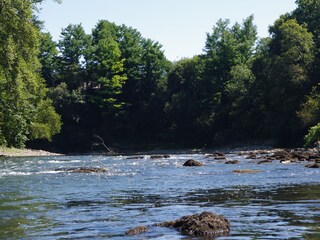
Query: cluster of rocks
{"x": 285, "y": 156}
{"x": 206, "y": 224}
{"x": 267, "y": 156}
{"x": 217, "y": 156}
{"x": 160, "y": 156}
{"x": 164, "y": 156}
{"x": 264, "y": 157}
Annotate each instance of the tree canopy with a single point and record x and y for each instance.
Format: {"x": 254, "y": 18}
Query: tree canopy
{"x": 115, "y": 85}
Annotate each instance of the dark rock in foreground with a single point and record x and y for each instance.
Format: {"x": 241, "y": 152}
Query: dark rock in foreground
{"x": 82, "y": 170}
{"x": 192, "y": 163}
{"x": 136, "y": 230}
{"x": 199, "y": 225}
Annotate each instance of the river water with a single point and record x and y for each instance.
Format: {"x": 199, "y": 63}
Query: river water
{"x": 37, "y": 202}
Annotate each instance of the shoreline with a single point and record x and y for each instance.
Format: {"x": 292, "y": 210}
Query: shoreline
{"x": 15, "y": 152}
{"x": 27, "y": 152}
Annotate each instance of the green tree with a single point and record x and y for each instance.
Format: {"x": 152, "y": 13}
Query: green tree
{"x": 229, "y": 52}
{"x": 308, "y": 13}
{"x": 151, "y": 89}
{"x": 22, "y": 91}
{"x": 48, "y": 58}
{"x": 186, "y": 108}
{"x": 130, "y": 44}
{"x": 73, "y": 48}
{"x": 106, "y": 67}
{"x": 291, "y": 56}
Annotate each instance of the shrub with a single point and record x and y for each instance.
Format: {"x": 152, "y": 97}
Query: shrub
{"x": 312, "y": 136}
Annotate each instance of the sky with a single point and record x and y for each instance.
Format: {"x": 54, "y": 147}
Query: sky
{"x": 180, "y": 26}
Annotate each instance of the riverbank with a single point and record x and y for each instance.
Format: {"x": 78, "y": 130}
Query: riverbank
{"x": 15, "y": 152}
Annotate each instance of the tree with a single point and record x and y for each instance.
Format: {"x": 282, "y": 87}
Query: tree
{"x": 22, "y": 92}
{"x": 291, "y": 54}
{"x": 130, "y": 44}
{"x": 187, "y": 106}
{"x": 151, "y": 88}
{"x": 48, "y": 58}
{"x": 106, "y": 67}
{"x": 229, "y": 52}
{"x": 72, "y": 62}
{"x": 308, "y": 13}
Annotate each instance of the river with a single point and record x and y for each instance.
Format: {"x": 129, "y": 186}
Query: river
{"x": 37, "y": 202}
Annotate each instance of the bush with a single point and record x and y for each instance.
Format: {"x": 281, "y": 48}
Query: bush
{"x": 312, "y": 136}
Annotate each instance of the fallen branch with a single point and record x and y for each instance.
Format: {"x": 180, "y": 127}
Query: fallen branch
{"x": 103, "y": 143}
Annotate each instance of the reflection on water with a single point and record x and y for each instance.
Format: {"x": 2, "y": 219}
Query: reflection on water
{"x": 38, "y": 203}
{"x": 22, "y": 216}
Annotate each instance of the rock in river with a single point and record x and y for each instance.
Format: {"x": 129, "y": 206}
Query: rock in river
{"x": 313, "y": 165}
{"x": 159, "y": 156}
{"x": 136, "y": 230}
{"x": 206, "y": 224}
{"x": 232, "y": 162}
{"x": 192, "y": 163}
{"x": 82, "y": 170}
{"x": 246, "y": 171}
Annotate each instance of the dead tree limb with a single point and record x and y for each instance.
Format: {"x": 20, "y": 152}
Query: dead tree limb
{"x": 103, "y": 143}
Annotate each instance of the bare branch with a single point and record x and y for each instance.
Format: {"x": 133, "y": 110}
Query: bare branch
{"x": 103, "y": 144}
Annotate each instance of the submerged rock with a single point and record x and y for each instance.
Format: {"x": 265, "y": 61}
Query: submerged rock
{"x": 265, "y": 161}
{"x": 192, "y": 163}
{"x": 215, "y": 154}
{"x": 136, "y": 230}
{"x": 135, "y": 157}
{"x": 159, "y": 156}
{"x": 246, "y": 171}
{"x": 199, "y": 225}
{"x": 313, "y": 165}
{"x": 232, "y": 162}
{"x": 82, "y": 170}
{"x": 252, "y": 156}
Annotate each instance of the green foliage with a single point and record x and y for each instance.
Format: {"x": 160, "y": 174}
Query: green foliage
{"x": 291, "y": 54}
{"x": 106, "y": 66}
{"x": 187, "y": 109}
{"x": 21, "y": 89}
{"x": 73, "y": 47}
{"x": 119, "y": 85}
{"x": 46, "y": 122}
{"x": 48, "y": 58}
{"x": 308, "y": 13}
{"x": 312, "y": 136}
{"x": 310, "y": 109}
{"x": 229, "y": 56}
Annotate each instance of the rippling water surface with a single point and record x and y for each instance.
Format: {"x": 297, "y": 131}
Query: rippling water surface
{"x": 36, "y": 202}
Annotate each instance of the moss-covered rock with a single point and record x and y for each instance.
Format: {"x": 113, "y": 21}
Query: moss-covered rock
{"x": 204, "y": 224}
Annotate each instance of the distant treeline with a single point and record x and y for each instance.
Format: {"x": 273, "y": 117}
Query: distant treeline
{"x": 114, "y": 86}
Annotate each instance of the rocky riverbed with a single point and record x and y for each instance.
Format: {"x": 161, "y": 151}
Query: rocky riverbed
{"x": 263, "y": 194}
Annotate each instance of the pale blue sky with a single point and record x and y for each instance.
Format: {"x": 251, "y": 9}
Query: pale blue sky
{"x": 179, "y": 25}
